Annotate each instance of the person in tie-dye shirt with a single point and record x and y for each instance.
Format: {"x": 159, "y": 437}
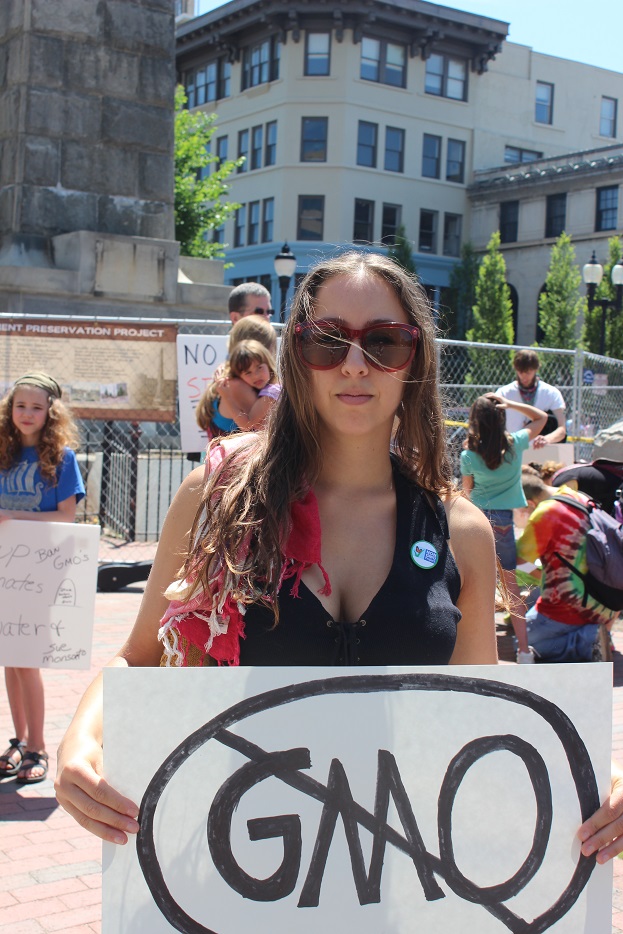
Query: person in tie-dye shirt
{"x": 560, "y": 627}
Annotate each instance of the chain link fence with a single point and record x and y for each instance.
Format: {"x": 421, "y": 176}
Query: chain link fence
{"x": 592, "y": 387}
{"x": 133, "y": 464}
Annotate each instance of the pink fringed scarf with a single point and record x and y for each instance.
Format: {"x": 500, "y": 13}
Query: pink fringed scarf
{"x": 212, "y": 624}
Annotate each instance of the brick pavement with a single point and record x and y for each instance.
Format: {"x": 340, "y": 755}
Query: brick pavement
{"x": 49, "y": 868}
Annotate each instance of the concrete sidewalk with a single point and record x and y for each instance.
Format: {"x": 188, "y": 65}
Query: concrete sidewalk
{"x": 50, "y": 869}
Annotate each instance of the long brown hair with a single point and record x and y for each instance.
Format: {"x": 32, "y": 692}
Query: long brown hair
{"x": 244, "y": 519}
{"x": 59, "y": 431}
{"x": 486, "y": 432}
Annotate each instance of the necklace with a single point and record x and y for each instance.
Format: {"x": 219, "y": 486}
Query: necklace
{"x": 528, "y": 393}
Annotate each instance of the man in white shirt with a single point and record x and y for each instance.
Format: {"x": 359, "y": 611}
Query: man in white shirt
{"x": 528, "y": 388}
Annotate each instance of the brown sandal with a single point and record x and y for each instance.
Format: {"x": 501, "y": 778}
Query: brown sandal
{"x": 33, "y": 760}
{"x": 15, "y": 748}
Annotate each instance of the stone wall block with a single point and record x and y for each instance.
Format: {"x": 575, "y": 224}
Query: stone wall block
{"x": 165, "y": 6}
{"x": 155, "y": 177}
{"x": 71, "y": 17}
{"x": 101, "y": 169}
{"x": 9, "y": 112}
{"x": 157, "y": 81}
{"x": 66, "y": 211}
{"x": 106, "y": 71}
{"x": 4, "y": 58}
{"x": 17, "y": 60}
{"x": 157, "y": 220}
{"x": 136, "y": 218}
{"x": 42, "y": 161}
{"x": 11, "y": 16}
{"x": 132, "y": 124}
{"x": 130, "y": 27}
{"x": 70, "y": 115}
{"x": 8, "y": 161}
{"x": 46, "y": 61}
{"x": 7, "y": 199}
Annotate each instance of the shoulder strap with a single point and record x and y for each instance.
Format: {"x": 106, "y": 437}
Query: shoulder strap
{"x": 576, "y": 504}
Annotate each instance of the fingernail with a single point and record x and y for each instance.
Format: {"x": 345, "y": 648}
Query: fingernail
{"x": 131, "y": 826}
{"x": 584, "y": 835}
{"x": 588, "y": 849}
{"x": 602, "y": 858}
{"x": 119, "y": 838}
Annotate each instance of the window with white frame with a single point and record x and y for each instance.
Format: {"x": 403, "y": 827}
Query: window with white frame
{"x": 607, "y": 203}
{"x": 544, "y": 103}
{"x": 452, "y": 224}
{"x": 555, "y": 214}
{"x": 608, "y": 117}
{"x": 253, "y": 230}
{"x": 314, "y": 132}
{"x": 240, "y": 223}
{"x": 367, "y": 134}
{"x": 383, "y": 61}
{"x": 260, "y": 63}
{"x": 317, "y": 53}
{"x": 243, "y": 150}
{"x": 221, "y": 150}
{"x": 394, "y": 149}
{"x": 310, "y": 222}
{"x": 270, "y": 152}
{"x": 431, "y": 156}
{"x": 268, "y": 219}
{"x": 363, "y": 227}
{"x": 428, "y": 231}
{"x": 455, "y": 161}
{"x": 209, "y": 82}
{"x": 390, "y": 222}
{"x": 517, "y": 154}
{"x": 257, "y": 145}
{"x": 446, "y": 77}
{"x": 509, "y": 221}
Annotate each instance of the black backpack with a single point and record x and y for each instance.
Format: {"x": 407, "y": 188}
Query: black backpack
{"x": 603, "y": 580}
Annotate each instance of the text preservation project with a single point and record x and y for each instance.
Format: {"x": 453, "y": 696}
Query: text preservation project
{"x": 378, "y": 800}
{"x": 48, "y": 579}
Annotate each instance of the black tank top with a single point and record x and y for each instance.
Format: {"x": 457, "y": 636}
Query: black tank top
{"x": 412, "y": 619}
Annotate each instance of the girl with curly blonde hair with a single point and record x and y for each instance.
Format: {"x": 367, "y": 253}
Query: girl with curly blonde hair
{"x": 39, "y": 480}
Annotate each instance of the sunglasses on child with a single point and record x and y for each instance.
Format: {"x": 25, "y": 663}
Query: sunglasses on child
{"x": 322, "y": 345}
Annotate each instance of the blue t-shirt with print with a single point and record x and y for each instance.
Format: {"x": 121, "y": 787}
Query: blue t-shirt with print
{"x": 500, "y": 488}
{"x": 23, "y": 487}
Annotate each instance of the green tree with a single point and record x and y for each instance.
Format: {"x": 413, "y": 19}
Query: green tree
{"x": 492, "y": 319}
{"x": 561, "y": 304}
{"x": 593, "y": 319}
{"x": 199, "y": 202}
{"x": 492, "y": 310}
{"x": 401, "y": 251}
{"x": 462, "y": 293}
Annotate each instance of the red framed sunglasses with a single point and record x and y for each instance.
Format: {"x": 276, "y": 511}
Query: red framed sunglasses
{"x": 322, "y": 345}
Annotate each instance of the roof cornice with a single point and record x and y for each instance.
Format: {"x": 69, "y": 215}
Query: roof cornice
{"x": 425, "y": 27}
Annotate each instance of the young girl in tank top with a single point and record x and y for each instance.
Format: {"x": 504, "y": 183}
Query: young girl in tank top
{"x": 39, "y": 480}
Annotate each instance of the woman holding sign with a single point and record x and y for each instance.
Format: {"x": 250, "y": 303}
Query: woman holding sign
{"x": 308, "y": 544}
{"x": 39, "y": 480}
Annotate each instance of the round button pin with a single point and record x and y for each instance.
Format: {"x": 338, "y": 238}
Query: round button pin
{"x": 424, "y": 555}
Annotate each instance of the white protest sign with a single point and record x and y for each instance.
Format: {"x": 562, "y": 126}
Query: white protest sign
{"x": 370, "y": 800}
{"x": 198, "y": 356}
{"x": 48, "y": 579}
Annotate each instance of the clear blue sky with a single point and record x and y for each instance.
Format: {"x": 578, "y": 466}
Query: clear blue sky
{"x": 575, "y": 29}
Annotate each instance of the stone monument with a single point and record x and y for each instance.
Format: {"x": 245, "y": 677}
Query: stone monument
{"x": 86, "y": 164}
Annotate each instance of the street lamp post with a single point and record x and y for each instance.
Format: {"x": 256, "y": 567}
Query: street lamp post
{"x": 285, "y": 265}
{"x": 592, "y": 273}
